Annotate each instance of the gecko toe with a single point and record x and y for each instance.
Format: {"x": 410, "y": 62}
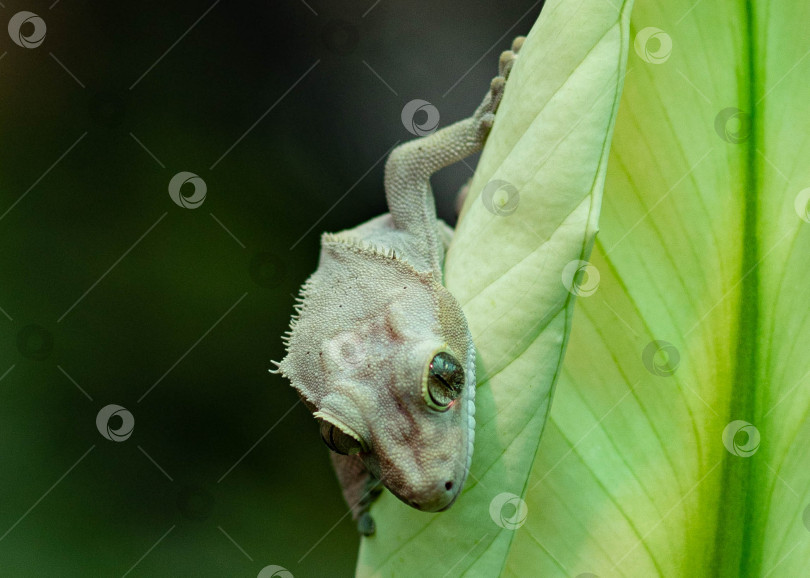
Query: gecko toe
{"x": 487, "y": 121}
{"x": 366, "y": 525}
{"x": 505, "y": 62}
{"x": 509, "y": 65}
{"x": 496, "y": 92}
{"x": 496, "y": 88}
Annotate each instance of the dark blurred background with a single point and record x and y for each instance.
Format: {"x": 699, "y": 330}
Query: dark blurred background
{"x": 113, "y": 294}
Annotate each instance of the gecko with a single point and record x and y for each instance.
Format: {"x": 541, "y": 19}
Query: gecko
{"x": 379, "y": 350}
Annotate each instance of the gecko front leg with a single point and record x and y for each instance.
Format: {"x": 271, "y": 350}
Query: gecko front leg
{"x": 410, "y": 165}
{"x": 360, "y": 489}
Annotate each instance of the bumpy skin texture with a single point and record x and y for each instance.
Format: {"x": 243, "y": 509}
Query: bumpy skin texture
{"x": 370, "y": 321}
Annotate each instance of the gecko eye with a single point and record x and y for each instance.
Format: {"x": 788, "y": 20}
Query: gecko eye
{"x": 444, "y": 382}
{"x": 339, "y": 441}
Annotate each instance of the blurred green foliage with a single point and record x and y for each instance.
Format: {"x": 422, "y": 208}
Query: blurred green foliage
{"x": 74, "y": 503}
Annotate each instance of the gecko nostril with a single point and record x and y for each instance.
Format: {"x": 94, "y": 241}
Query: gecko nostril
{"x": 448, "y": 485}
{"x": 414, "y": 504}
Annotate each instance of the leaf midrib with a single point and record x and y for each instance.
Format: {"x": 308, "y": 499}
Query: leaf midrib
{"x": 737, "y": 548}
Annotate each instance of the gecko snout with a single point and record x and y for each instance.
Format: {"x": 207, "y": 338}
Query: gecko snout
{"x": 440, "y": 499}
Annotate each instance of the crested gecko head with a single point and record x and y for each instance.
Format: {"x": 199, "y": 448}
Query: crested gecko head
{"x": 382, "y": 356}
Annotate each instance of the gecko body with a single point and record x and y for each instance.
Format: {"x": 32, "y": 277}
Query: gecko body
{"x": 379, "y": 349}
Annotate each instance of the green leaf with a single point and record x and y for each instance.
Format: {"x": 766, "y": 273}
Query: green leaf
{"x": 515, "y": 265}
{"x": 699, "y": 328}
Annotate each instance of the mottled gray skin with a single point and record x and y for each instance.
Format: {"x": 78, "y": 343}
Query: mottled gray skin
{"x": 370, "y": 321}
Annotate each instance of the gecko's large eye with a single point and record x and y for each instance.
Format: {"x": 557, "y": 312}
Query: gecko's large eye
{"x": 339, "y": 441}
{"x": 444, "y": 381}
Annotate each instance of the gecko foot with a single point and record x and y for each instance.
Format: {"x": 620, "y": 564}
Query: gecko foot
{"x": 485, "y": 115}
{"x": 508, "y": 57}
{"x": 372, "y": 490}
{"x": 366, "y": 525}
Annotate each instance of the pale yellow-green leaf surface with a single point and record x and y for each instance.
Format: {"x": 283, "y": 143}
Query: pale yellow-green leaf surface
{"x": 515, "y": 265}
{"x": 678, "y": 443}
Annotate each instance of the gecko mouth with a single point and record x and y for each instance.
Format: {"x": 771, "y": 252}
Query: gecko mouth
{"x": 436, "y": 503}
{"x": 416, "y": 505}
{"x": 451, "y": 502}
